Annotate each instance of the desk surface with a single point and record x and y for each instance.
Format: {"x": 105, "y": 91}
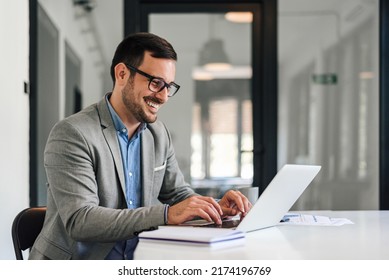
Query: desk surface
{"x": 367, "y": 238}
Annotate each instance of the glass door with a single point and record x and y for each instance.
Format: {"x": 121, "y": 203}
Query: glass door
{"x": 211, "y": 118}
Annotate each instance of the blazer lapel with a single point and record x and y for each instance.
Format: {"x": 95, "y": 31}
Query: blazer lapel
{"x": 109, "y": 132}
{"x": 147, "y": 156}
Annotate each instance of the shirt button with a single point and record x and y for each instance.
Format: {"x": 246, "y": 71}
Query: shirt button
{"x": 130, "y": 173}
{"x": 131, "y": 202}
{"x": 123, "y": 130}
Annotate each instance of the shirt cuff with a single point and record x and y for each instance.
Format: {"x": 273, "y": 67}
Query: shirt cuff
{"x": 165, "y": 213}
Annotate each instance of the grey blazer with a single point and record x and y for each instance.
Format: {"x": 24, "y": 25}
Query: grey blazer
{"x": 86, "y": 207}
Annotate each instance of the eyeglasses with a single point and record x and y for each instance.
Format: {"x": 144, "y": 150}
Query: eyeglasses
{"x": 157, "y": 84}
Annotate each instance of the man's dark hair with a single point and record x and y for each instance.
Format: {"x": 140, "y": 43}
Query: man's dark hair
{"x": 132, "y": 50}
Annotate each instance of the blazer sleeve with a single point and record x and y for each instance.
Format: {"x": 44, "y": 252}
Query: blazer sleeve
{"x": 84, "y": 188}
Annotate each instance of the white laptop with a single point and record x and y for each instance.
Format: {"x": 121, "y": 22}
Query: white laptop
{"x": 276, "y": 200}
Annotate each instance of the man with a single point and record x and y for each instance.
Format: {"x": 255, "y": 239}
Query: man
{"x": 111, "y": 168}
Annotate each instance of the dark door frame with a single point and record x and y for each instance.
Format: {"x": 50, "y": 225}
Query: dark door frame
{"x": 264, "y": 81}
{"x": 384, "y": 105}
{"x": 33, "y": 76}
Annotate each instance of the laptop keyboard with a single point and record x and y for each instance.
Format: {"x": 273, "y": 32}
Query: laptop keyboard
{"x": 225, "y": 224}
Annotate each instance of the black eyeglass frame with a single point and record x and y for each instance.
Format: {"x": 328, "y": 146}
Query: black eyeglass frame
{"x": 151, "y": 78}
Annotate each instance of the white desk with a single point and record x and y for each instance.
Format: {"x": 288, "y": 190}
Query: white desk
{"x": 367, "y": 238}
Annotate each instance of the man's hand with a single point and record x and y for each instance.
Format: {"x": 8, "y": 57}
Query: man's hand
{"x": 234, "y": 203}
{"x": 195, "y": 206}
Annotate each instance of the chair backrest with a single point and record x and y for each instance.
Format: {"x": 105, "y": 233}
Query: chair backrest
{"x": 26, "y": 227}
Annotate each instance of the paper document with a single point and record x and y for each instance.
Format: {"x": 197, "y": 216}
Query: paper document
{"x": 194, "y": 236}
{"x": 302, "y": 219}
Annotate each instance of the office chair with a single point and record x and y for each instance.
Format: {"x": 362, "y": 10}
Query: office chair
{"x": 25, "y": 229}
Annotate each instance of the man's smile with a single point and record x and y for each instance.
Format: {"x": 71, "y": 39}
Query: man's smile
{"x": 153, "y": 104}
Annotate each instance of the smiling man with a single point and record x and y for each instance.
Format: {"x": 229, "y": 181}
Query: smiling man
{"x": 111, "y": 168}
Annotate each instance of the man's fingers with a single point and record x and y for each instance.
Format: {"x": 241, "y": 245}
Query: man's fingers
{"x": 235, "y": 200}
{"x": 196, "y": 206}
{"x": 213, "y": 202}
{"x": 246, "y": 203}
{"x": 209, "y": 209}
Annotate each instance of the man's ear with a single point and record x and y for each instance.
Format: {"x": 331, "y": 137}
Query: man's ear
{"x": 121, "y": 74}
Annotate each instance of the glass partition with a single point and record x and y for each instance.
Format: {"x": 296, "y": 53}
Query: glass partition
{"x": 328, "y": 99}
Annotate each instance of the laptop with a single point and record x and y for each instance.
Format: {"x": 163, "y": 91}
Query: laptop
{"x": 277, "y": 199}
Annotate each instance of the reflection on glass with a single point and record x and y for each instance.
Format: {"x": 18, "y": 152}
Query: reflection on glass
{"x": 197, "y": 170}
{"x": 247, "y": 146}
{"x": 223, "y": 137}
{"x": 213, "y": 135}
{"x": 328, "y": 99}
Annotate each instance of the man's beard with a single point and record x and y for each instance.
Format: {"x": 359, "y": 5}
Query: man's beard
{"x": 130, "y": 102}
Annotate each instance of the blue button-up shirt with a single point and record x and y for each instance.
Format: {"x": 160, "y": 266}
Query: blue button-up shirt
{"x": 130, "y": 152}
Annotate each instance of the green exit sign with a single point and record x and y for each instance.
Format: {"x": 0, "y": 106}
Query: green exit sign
{"x": 325, "y": 79}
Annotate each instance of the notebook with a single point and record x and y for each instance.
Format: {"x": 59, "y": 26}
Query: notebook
{"x": 277, "y": 199}
{"x": 210, "y": 237}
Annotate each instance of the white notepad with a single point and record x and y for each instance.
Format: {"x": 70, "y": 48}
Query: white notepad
{"x": 201, "y": 237}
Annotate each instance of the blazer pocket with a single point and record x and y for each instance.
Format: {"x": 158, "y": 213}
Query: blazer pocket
{"x": 163, "y": 166}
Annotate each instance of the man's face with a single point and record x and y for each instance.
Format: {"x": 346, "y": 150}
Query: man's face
{"x": 139, "y": 101}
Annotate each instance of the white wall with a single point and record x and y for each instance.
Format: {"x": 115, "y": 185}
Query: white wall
{"x": 14, "y": 113}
